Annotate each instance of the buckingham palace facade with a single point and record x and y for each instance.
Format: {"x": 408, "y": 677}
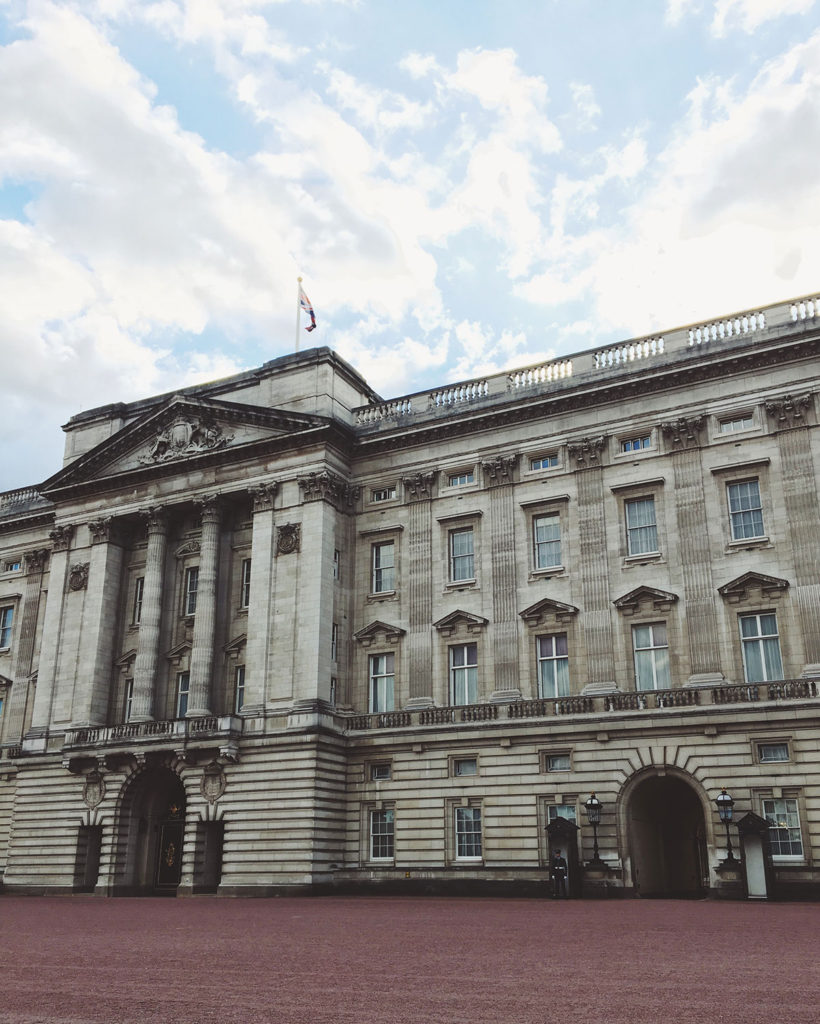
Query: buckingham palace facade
{"x": 277, "y": 634}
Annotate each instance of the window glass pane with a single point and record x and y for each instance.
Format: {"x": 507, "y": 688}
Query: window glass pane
{"x": 642, "y": 534}
{"x": 561, "y": 811}
{"x": 784, "y": 827}
{"x": 381, "y": 834}
{"x": 768, "y": 752}
{"x": 468, "y": 832}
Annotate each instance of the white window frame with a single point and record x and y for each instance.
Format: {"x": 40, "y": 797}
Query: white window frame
{"x": 245, "y": 584}
{"x": 548, "y": 461}
{"x": 546, "y": 552}
{"x": 763, "y": 643}
{"x": 636, "y": 443}
{"x": 383, "y": 494}
{"x": 129, "y": 700}
{"x": 557, "y": 761}
{"x": 337, "y": 566}
{"x": 783, "y": 819}
{"x": 552, "y": 666}
{"x": 734, "y": 424}
{"x": 334, "y": 641}
{"x": 464, "y": 767}
{"x": 189, "y": 590}
{"x": 381, "y": 771}
{"x": 568, "y": 811}
{"x": 183, "y": 693}
{"x": 742, "y": 519}
{"x": 467, "y": 832}
{"x": 382, "y": 843}
{"x": 463, "y": 674}
{"x": 12, "y": 565}
{"x": 461, "y": 563}
{"x": 641, "y": 537}
{"x": 238, "y": 688}
{"x": 381, "y": 686}
{"x": 6, "y": 626}
{"x": 658, "y": 670}
{"x": 383, "y": 573}
{"x": 139, "y": 593}
{"x": 772, "y": 745}
{"x": 461, "y": 479}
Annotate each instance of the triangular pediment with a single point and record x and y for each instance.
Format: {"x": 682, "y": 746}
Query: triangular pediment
{"x": 460, "y": 620}
{"x": 176, "y": 654}
{"x": 546, "y": 609}
{"x": 738, "y": 589}
{"x": 660, "y": 600}
{"x": 4, "y": 681}
{"x": 237, "y": 645}
{"x": 180, "y": 430}
{"x": 373, "y": 631}
{"x": 125, "y": 659}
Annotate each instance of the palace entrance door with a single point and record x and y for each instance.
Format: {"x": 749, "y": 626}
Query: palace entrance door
{"x": 152, "y": 834}
{"x": 666, "y": 838}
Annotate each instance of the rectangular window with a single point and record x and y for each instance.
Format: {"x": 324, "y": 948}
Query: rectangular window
{"x": 12, "y": 565}
{"x": 245, "y": 584}
{"x": 738, "y": 423}
{"x": 337, "y": 569}
{"x": 553, "y": 665}
{"x": 464, "y": 674}
{"x": 557, "y": 763}
{"x": 239, "y": 689}
{"x": 641, "y": 527}
{"x": 334, "y": 684}
{"x": 139, "y": 589}
{"x": 561, "y": 811}
{"x": 382, "y": 831}
{"x": 462, "y": 556}
{"x": 460, "y": 479}
{"x": 650, "y": 645}
{"x": 745, "y": 509}
{"x": 468, "y": 833}
{"x": 383, "y": 494}
{"x": 6, "y": 619}
{"x": 183, "y": 689}
{"x": 384, "y": 567}
{"x": 771, "y": 753}
{"x": 129, "y": 699}
{"x": 761, "y": 647}
{"x": 380, "y": 772}
{"x": 334, "y": 642}
{"x": 546, "y": 532}
{"x": 636, "y": 444}
{"x": 465, "y": 766}
{"x": 544, "y": 462}
{"x": 784, "y": 827}
{"x": 382, "y": 682}
{"x": 191, "y": 584}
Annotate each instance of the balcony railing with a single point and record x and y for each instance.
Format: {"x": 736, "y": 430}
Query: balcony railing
{"x": 176, "y": 730}
{"x": 546, "y": 707}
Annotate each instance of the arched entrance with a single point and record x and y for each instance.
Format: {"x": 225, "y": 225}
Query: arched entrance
{"x": 151, "y": 834}
{"x": 667, "y": 838}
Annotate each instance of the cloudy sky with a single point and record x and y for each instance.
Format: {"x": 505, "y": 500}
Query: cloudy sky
{"x": 465, "y": 185}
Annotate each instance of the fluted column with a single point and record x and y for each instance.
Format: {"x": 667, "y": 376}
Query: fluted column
{"x": 202, "y": 647}
{"x": 34, "y": 563}
{"x": 260, "y": 606}
{"x": 418, "y": 491}
{"x": 147, "y": 660}
{"x": 498, "y": 476}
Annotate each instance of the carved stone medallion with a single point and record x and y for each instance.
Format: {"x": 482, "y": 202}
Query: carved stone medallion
{"x": 213, "y": 782}
{"x": 288, "y": 538}
{"x": 78, "y": 576}
{"x": 93, "y": 789}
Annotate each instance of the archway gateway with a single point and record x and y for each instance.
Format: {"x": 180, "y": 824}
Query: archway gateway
{"x": 151, "y": 834}
{"x": 667, "y": 838}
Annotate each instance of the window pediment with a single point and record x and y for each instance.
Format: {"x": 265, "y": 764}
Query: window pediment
{"x": 660, "y": 600}
{"x": 235, "y": 647}
{"x": 545, "y": 609}
{"x": 370, "y": 634}
{"x": 176, "y": 654}
{"x": 460, "y": 620}
{"x": 738, "y": 589}
{"x": 127, "y": 659}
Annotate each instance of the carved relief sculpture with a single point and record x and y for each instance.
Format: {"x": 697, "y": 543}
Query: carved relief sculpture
{"x": 93, "y": 789}
{"x": 213, "y": 782}
{"x": 78, "y": 576}
{"x": 184, "y": 436}
{"x": 288, "y": 538}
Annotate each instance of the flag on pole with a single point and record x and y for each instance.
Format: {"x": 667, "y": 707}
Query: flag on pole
{"x": 304, "y": 302}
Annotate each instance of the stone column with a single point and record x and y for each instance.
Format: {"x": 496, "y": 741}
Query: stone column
{"x": 789, "y": 415}
{"x": 35, "y": 563}
{"x": 596, "y": 618}
{"x": 702, "y": 616}
{"x": 202, "y": 646}
{"x": 419, "y": 492}
{"x": 52, "y": 629}
{"x": 260, "y": 606}
{"x": 498, "y": 476}
{"x": 147, "y": 660}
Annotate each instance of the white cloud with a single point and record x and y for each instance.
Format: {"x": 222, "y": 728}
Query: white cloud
{"x": 746, "y": 15}
{"x": 587, "y": 111}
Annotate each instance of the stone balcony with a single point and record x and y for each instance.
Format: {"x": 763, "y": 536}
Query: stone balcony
{"x": 188, "y": 738}
{"x": 751, "y": 694}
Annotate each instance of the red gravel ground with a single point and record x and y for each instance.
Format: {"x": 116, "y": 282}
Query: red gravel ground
{"x": 345, "y": 960}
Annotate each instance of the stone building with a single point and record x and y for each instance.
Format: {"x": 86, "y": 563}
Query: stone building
{"x": 275, "y": 633}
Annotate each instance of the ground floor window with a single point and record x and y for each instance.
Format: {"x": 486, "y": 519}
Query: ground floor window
{"x": 382, "y": 826}
{"x": 468, "y": 833}
{"x": 784, "y": 827}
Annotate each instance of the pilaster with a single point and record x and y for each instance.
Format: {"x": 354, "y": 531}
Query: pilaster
{"x": 202, "y": 645}
{"x": 34, "y": 563}
{"x": 260, "y": 607}
{"x": 147, "y": 660}
{"x": 418, "y": 490}
{"x": 498, "y": 476}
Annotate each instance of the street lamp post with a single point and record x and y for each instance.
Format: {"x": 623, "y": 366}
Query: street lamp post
{"x": 593, "y": 808}
{"x": 724, "y": 805}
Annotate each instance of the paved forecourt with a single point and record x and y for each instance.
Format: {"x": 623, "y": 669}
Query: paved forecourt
{"x": 372, "y": 960}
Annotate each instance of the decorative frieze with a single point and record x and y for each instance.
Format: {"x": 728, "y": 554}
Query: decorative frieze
{"x": 184, "y": 436}
{"x": 263, "y": 495}
{"x": 788, "y": 412}
{"x": 61, "y": 537}
{"x": 419, "y": 487}
{"x": 327, "y": 486}
{"x": 684, "y": 431}
{"x": 288, "y": 538}
{"x": 78, "y": 576}
{"x": 499, "y": 470}
{"x": 587, "y": 452}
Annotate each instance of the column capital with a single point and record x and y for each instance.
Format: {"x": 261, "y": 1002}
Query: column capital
{"x": 788, "y": 411}
{"x": 684, "y": 432}
{"x": 156, "y": 518}
{"x": 419, "y": 487}
{"x": 263, "y": 496}
{"x": 61, "y": 536}
{"x": 210, "y": 507}
{"x": 587, "y": 451}
{"x": 101, "y": 529}
{"x": 499, "y": 470}
{"x": 35, "y": 561}
{"x": 330, "y": 487}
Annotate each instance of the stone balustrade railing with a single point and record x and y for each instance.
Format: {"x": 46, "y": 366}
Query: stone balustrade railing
{"x": 148, "y": 732}
{"x": 612, "y": 359}
{"x": 546, "y": 707}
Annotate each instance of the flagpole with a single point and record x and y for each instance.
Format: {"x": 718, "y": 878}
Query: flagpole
{"x": 298, "y": 310}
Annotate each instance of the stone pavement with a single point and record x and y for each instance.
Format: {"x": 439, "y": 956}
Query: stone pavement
{"x": 346, "y": 960}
